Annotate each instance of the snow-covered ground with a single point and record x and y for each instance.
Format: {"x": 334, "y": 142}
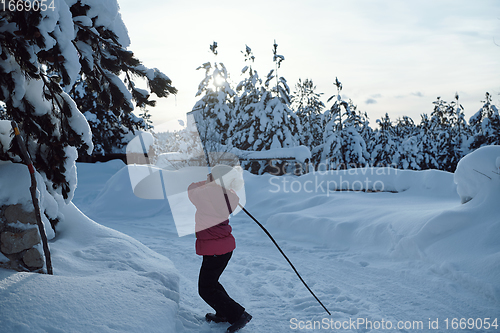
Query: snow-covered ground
{"x": 408, "y": 256}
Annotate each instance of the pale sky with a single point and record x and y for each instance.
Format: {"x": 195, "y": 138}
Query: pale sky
{"x": 393, "y": 56}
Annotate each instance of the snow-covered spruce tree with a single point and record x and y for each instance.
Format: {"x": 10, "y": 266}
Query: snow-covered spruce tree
{"x": 42, "y": 55}
{"x": 52, "y": 126}
{"x": 357, "y": 125}
{"x": 343, "y": 146}
{"x": 332, "y": 149}
{"x": 427, "y": 142}
{"x": 460, "y": 129}
{"x": 405, "y": 134}
{"x": 383, "y": 147}
{"x": 459, "y": 134}
{"x": 485, "y": 125}
{"x": 405, "y": 127}
{"x": 271, "y": 122}
{"x": 108, "y": 129}
{"x": 308, "y": 107}
{"x": 213, "y": 111}
{"x": 249, "y": 93}
{"x": 103, "y": 107}
{"x": 442, "y": 135}
{"x": 279, "y": 127}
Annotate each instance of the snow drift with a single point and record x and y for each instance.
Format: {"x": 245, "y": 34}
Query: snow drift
{"x": 104, "y": 281}
{"x": 478, "y": 171}
{"x": 364, "y": 252}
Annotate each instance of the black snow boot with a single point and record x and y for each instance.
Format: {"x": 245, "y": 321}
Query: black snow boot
{"x": 240, "y": 323}
{"x": 215, "y": 318}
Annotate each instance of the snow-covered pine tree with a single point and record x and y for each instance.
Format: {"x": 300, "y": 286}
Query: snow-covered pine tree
{"x": 356, "y": 124}
{"x": 308, "y": 107}
{"x": 42, "y": 55}
{"x": 249, "y": 93}
{"x": 405, "y": 127}
{"x": 52, "y": 126}
{"x": 405, "y": 134}
{"x": 459, "y": 132}
{"x": 332, "y": 150}
{"x": 364, "y": 129}
{"x": 343, "y": 146}
{"x": 271, "y": 123}
{"x": 383, "y": 147}
{"x": 485, "y": 125}
{"x": 108, "y": 129}
{"x": 442, "y": 135}
{"x": 278, "y": 125}
{"x": 427, "y": 143}
{"x": 214, "y": 109}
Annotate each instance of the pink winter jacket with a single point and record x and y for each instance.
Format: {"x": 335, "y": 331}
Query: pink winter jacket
{"x": 213, "y": 232}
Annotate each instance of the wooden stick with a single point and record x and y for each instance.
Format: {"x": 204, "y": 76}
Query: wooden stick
{"x": 41, "y": 229}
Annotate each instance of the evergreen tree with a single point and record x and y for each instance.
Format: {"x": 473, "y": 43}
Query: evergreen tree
{"x": 108, "y": 129}
{"x": 426, "y": 138}
{"x": 383, "y": 148}
{"x": 485, "y": 125}
{"x": 364, "y": 129}
{"x": 408, "y": 146}
{"x": 332, "y": 149}
{"x": 274, "y": 125}
{"x": 264, "y": 119}
{"x": 250, "y": 91}
{"x": 42, "y": 55}
{"x": 459, "y": 133}
{"x": 405, "y": 126}
{"x": 308, "y": 108}
{"x": 214, "y": 110}
{"x": 408, "y": 154}
{"x": 343, "y": 146}
{"x": 442, "y": 134}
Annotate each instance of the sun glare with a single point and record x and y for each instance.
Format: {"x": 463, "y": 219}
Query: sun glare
{"x": 219, "y": 81}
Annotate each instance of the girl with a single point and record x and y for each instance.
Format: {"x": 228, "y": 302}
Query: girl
{"x": 214, "y": 200}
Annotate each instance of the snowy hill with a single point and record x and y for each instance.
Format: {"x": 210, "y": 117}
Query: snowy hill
{"x": 406, "y": 252}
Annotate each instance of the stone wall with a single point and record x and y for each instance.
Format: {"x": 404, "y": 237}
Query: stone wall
{"x": 19, "y": 239}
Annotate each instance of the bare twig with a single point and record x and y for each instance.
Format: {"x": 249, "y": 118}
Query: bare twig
{"x": 483, "y": 174}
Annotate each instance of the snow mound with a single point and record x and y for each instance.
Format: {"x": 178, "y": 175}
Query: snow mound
{"x": 335, "y": 208}
{"x": 117, "y": 199}
{"x": 15, "y": 183}
{"x": 103, "y": 281}
{"x": 370, "y": 179}
{"x": 477, "y": 172}
{"x": 416, "y": 216}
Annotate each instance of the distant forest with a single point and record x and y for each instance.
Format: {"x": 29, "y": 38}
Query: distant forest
{"x": 261, "y": 113}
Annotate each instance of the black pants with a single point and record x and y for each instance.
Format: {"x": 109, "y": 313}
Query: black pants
{"x": 213, "y": 292}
